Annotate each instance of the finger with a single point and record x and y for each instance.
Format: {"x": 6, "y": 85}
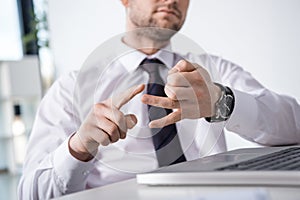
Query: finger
{"x": 131, "y": 121}
{"x": 103, "y": 112}
{"x": 179, "y": 79}
{"x": 117, "y": 117}
{"x": 109, "y": 128}
{"x": 183, "y": 66}
{"x": 163, "y": 102}
{"x": 104, "y": 139}
{"x": 126, "y": 96}
{"x": 167, "y": 120}
{"x": 187, "y": 79}
{"x": 180, "y": 93}
{"x": 115, "y": 133}
{"x": 100, "y": 137}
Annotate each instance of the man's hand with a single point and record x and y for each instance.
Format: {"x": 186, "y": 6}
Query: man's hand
{"x": 104, "y": 124}
{"x": 190, "y": 92}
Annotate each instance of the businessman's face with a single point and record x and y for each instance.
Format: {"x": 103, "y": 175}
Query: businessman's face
{"x": 168, "y": 14}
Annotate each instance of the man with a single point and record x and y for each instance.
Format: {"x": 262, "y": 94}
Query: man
{"x": 84, "y": 136}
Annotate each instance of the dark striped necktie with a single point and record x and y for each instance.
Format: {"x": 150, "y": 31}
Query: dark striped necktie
{"x": 165, "y": 140}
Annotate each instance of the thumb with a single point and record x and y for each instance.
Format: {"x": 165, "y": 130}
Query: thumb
{"x": 131, "y": 121}
{"x": 183, "y": 66}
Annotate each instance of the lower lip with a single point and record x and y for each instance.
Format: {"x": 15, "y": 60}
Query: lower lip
{"x": 166, "y": 13}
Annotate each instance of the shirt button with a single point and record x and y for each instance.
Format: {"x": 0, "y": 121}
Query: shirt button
{"x": 85, "y": 173}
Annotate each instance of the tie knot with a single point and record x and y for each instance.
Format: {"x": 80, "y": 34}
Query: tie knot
{"x": 151, "y": 65}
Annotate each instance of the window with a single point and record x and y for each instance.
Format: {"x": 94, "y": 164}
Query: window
{"x": 10, "y": 31}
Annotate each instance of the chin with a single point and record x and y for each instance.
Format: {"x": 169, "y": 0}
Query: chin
{"x": 172, "y": 26}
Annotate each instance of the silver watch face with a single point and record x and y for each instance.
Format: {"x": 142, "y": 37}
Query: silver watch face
{"x": 225, "y": 105}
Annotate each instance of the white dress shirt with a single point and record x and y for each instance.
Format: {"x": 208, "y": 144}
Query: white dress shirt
{"x": 259, "y": 115}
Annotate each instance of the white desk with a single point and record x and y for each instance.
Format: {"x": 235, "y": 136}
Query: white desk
{"x": 132, "y": 191}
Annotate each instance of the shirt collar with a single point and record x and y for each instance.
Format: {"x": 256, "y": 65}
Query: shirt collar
{"x": 132, "y": 58}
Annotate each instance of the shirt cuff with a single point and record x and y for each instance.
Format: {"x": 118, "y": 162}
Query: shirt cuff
{"x": 71, "y": 174}
{"x": 245, "y": 114}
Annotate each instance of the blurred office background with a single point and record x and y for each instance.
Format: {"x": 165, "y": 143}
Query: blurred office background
{"x": 41, "y": 40}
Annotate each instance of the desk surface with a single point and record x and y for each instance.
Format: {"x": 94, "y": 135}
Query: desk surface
{"x": 131, "y": 190}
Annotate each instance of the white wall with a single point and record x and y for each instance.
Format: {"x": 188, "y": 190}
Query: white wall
{"x": 78, "y": 27}
{"x": 10, "y": 33}
{"x": 260, "y": 35}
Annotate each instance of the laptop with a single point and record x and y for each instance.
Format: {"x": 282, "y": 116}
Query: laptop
{"x": 267, "y": 166}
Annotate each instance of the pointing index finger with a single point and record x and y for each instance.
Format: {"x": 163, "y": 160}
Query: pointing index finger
{"x": 126, "y": 96}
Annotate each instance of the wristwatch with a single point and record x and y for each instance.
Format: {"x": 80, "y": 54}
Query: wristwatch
{"x": 224, "y": 106}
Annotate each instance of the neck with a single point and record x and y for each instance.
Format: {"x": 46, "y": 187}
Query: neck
{"x": 139, "y": 39}
{"x": 144, "y": 44}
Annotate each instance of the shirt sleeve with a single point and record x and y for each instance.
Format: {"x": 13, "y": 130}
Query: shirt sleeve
{"x": 260, "y": 115}
{"x": 49, "y": 169}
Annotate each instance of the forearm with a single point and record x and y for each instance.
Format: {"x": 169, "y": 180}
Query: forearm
{"x": 268, "y": 118}
{"x": 55, "y": 175}
{"x": 39, "y": 184}
{"x": 259, "y": 114}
